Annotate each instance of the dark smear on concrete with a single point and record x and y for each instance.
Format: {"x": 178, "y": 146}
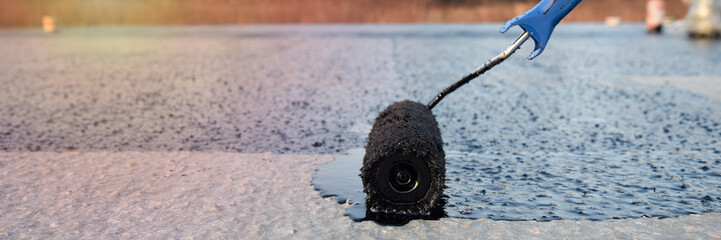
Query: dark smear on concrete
{"x": 332, "y": 180}
{"x": 545, "y": 186}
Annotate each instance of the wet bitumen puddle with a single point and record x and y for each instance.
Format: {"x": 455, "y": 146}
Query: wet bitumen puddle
{"x": 545, "y": 186}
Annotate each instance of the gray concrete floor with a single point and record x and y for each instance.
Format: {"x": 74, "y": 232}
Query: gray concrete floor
{"x": 317, "y": 88}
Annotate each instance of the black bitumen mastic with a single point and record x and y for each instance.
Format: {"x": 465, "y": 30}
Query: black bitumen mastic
{"x": 410, "y": 129}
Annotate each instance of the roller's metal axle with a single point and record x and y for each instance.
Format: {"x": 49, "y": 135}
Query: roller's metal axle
{"x": 482, "y": 69}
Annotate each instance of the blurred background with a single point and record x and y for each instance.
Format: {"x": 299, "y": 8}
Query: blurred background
{"x": 27, "y": 13}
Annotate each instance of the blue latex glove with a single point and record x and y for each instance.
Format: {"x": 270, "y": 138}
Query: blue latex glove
{"x": 541, "y": 20}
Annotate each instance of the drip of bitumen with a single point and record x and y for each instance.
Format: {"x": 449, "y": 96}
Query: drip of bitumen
{"x": 545, "y": 186}
{"x": 336, "y": 179}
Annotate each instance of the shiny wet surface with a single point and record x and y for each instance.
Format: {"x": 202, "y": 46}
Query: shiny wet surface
{"x": 318, "y": 88}
{"x": 544, "y": 186}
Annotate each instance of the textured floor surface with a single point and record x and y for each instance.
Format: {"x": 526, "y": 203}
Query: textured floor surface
{"x": 213, "y": 195}
{"x": 93, "y": 120}
{"x": 317, "y": 89}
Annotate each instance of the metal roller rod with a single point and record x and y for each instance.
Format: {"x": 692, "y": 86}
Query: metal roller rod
{"x": 482, "y": 69}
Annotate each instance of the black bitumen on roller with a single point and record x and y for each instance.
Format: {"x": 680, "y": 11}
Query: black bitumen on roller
{"x": 404, "y": 167}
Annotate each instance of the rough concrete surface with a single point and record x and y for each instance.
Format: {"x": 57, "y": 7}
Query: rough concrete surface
{"x": 213, "y": 195}
{"x": 93, "y": 120}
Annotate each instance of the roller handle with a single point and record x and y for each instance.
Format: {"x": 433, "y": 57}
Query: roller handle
{"x": 541, "y": 20}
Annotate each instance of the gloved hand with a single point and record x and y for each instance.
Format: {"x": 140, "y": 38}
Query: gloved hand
{"x": 541, "y": 20}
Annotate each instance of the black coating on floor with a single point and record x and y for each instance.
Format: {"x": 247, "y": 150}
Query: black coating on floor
{"x": 545, "y": 186}
{"x": 317, "y": 89}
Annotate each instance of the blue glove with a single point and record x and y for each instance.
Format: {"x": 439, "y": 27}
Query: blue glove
{"x": 541, "y": 20}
